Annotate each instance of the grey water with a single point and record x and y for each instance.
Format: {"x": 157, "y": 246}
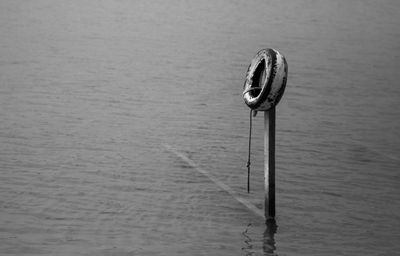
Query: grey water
{"x": 92, "y": 90}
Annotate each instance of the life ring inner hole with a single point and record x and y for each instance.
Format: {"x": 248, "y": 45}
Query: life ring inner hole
{"x": 258, "y": 79}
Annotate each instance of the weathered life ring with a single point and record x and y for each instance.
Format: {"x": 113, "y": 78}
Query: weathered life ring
{"x": 265, "y": 80}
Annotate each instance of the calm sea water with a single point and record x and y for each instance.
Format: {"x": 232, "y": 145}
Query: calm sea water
{"x": 91, "y": 91}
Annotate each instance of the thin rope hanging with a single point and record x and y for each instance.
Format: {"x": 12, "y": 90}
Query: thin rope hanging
{"x": 249, "y": 151}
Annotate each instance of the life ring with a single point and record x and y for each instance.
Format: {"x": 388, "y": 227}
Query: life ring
{"x": 265, "y": 80}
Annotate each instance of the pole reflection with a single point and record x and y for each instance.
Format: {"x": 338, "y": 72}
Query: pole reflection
{"x": 252, "y": 246}
{"x": 269, "y": 240}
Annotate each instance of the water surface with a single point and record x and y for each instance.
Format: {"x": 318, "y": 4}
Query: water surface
{"x": 90, "y": 91}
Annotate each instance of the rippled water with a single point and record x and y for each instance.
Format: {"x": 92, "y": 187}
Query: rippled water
{"x": 91, "y": 91}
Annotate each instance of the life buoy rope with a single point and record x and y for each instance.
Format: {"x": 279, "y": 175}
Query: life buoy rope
{"x": 249, "y": 152}
{"x": 263, "y": 88}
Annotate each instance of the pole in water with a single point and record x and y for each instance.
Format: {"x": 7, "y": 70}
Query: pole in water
{"x": 263, "y": 88}
{"x": 269, "y": 163}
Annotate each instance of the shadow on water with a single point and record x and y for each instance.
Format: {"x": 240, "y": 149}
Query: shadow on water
{"x": 268, "y": 241}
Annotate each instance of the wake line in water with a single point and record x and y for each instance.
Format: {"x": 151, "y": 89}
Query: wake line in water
{"x": 371, "y": 148}
{"x": 219, "y": 183}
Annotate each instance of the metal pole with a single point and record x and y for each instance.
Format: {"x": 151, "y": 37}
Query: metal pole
{"x": 269, "y": 163}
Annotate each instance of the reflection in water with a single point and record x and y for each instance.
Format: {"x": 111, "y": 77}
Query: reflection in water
{"x": 268, "y": 241}
{"x": 249, "y": 247}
